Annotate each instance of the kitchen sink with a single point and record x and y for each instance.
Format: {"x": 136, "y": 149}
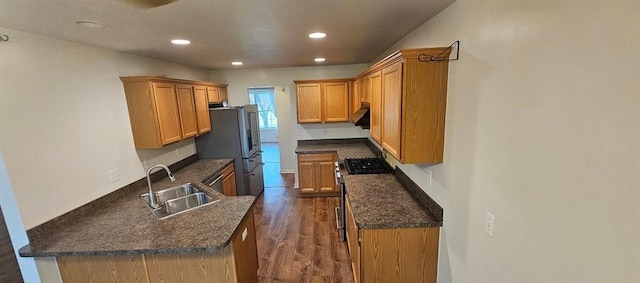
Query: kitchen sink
{"x": 178, "y": 199}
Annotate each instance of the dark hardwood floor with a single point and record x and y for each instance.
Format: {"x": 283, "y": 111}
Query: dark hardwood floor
{"x": 297, "y": 237}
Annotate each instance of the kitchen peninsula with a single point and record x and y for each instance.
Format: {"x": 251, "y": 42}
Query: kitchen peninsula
{"x": 116, "y": 238}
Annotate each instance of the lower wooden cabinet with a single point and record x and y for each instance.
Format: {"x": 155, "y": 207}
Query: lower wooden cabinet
{"x": 392, "y": 255}
{"x": 237, "y": 262}
{"x": 316, "y": 174}
{"x": 229, "y": 181}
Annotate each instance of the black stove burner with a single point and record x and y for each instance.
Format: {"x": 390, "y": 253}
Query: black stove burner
{"x": 366, "y": 166}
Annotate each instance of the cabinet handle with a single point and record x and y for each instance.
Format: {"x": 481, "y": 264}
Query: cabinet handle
{"x": 338, "y": 226}
{"x": 216, "y": 180}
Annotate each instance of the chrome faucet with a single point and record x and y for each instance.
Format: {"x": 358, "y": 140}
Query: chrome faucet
{"x": 152, "y": 198}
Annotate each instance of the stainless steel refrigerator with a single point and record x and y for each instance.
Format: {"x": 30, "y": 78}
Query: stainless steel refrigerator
{"x": 235, "y": 133}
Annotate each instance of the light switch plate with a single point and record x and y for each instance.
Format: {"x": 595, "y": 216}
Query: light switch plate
{"x": 489, "y": 223}
{"x": 114, "y": 175}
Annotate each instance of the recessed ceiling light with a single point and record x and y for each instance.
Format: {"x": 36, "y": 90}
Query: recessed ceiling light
{"x": 319, "y": 59}
{"x": 236, "y": 63}
{"x": 317, "y": 35}
{"x": 180, "y": 41}
{"x": 91, "y": 24}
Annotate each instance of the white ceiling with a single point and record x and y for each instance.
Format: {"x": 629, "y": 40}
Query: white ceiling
{"x": 261, "y": 33}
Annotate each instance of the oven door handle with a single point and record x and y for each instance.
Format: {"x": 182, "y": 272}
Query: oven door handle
{"x": 338, "y": 224}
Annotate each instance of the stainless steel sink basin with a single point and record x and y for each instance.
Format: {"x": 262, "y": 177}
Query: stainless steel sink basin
{"x": 178, "y": 199}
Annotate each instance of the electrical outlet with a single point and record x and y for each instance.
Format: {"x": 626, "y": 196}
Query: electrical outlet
{"x": 489, "y": 223}
{"x": 430, "y": 176}
{"x": 177, "y": 152}
{"x": 114, "y": 175}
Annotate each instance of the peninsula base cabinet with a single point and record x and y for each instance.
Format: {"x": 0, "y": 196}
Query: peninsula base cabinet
{"x": 237, "y": 262}
{"x": 392, "y": 255}
{"x": 317, "y": 174}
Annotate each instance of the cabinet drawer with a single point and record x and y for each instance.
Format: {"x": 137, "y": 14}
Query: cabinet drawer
{"x": 316, "y": 157}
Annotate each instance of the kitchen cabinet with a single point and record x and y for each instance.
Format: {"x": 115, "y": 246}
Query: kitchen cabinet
{"x": 392, "y": 255}
{"x": 202, "y": 109}
{"x": 316, "y": 174}
{"x": 237, "y": 262}
{"x": 187, "y": 111}
{"x": 355, "y": 96}
{"x": 321, "y": 101}
{"x": 229, "y": 181}
{"x": 411, "y": 108}
{"x": 374, "y": 88}
{"x": 164, "y": 110}
{"x": 216, "y": 94}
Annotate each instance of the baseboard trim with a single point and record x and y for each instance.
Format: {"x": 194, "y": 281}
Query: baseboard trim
{"x": 287, "y": 171}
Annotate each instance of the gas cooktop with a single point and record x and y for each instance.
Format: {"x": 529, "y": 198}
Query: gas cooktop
{"x": 366, "y": 166}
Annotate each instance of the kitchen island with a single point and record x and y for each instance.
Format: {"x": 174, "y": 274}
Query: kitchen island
{"x": 117, "y": 236}
{"x": 392, "y": 225}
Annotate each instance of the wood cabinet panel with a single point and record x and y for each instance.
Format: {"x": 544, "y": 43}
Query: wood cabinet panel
{"x": 353, "y": 241}
{"x": 307, "y": 176}
{"x": 229, "y": 181}
{"x": 355, "y": 97}
{"x": 167, "y": 111}
{"x": 200, "y": 267}
{"x": 374, "y": 86}
{"x": 202, "y": 109}
{"x": 309, "y": 99}
{"x": 212, "y": 94}
{"x": 326, "y": 176}
{"x": 391, "y": 108}
{"x": 187, "y": 111}
{"x": 105, "y": 269}
{"x": 400, "y": 255}
{"x": 336, "y": 102}
{"x": 316, "y": 174}
{"x": 222, "y": 94}
{"x": 245, "y": 252}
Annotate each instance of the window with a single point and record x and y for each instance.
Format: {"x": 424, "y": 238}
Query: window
{"x": 265, "y": 99}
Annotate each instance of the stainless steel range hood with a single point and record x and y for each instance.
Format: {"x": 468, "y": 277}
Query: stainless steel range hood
{"x": 361, "y": 117}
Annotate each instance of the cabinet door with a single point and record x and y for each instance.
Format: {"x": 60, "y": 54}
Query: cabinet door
{"x": 245, "y": 252}
{"x": 355, "y": 96}
{"x": 365, "y": 95}
{"x": 391, "y": 107}
{"x": 187, "y": 111}
{"x": 212, "y": 94}
{"x": 167, "y": 111}
{"x": 229, "y": 181}
{"x": 202, "y": 109}
{"x": 326, "y": 175}
{"x": 306, "y": 176}
{"x": 336, "y": 102}
{"x": 222, "y": 94}
{"x": 374, "y": 86}
{"x": 353, "y": 241}
{"x": 309, "y": 102}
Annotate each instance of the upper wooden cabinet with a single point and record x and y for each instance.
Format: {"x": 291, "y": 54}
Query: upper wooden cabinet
{"x": 202, "y": 109}
{"x": 164, "y": 110}
{"x": 412, "y": 105}
{"x": 217, "y": 94}
{"x": 321, "y": 101}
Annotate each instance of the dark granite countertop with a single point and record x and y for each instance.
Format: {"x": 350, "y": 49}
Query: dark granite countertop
{"x": 355, "y": 148}
{"x": 124, "y": 225}
{"x": 379, "y": 200}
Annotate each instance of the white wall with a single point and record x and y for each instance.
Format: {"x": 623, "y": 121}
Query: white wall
{"x": 64, "y": 123}
{"x": 543, "y": 130}
{"x": 285, "y": 91}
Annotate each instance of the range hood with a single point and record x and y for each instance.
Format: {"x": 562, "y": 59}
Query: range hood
{"x": 362, "y": 117}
